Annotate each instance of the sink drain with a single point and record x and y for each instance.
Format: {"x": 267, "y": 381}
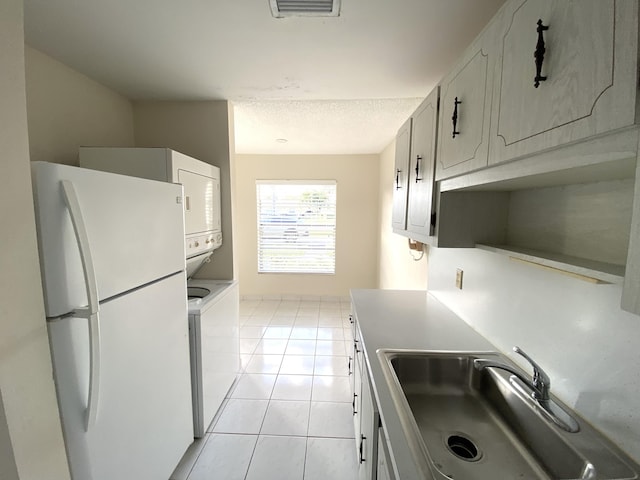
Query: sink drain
{"x": 463, "y": 448}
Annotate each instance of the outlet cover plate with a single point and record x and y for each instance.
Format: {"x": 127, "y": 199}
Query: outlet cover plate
{"x": 459, "y": 274}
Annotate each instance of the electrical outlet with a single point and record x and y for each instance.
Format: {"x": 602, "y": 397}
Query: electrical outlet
{"x": 459, "y": 273}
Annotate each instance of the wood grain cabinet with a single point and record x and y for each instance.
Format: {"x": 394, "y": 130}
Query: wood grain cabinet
{"x": 413, "y": 205}
{"x": 567, "y": 71}
{"x": 401, "y": 177}
{"x": 465, "y": 106}
{"x": 421, "y": 166}
{"x": 538, "y": 144}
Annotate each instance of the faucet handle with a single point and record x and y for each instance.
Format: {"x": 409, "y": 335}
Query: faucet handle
{"x": 541, "y": 380}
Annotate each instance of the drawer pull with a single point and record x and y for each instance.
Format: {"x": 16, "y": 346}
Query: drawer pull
{"x": 539, "y": 54}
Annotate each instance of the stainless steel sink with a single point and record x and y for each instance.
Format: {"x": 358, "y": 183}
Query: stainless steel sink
{"x": 466, "y": 423}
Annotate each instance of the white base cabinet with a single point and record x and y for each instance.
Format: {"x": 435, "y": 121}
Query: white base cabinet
{"x": 366, "y": 419}
{"x": 368, "y": 443}
{"x": 384, "y": 467}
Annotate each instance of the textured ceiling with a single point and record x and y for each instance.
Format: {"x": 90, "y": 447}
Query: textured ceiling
{"x": 320, "y": 126}
{"x": 328, "y": 85}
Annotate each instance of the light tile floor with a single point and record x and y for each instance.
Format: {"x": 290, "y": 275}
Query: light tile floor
{"x": 289, "y": 414}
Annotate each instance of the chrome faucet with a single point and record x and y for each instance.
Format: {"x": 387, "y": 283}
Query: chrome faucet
{"x": 540, "y": 384}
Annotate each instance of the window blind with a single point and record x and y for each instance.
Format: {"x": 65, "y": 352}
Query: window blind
{"x": 296, "y": 226}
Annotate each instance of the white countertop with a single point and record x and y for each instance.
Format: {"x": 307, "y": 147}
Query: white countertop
{"x": 408, "y": 320}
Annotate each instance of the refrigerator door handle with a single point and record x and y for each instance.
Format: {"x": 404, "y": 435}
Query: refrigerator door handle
{"x": 94, "y": 376}
{"x": 91, "y": 312}
{"x": 82, "y": 238}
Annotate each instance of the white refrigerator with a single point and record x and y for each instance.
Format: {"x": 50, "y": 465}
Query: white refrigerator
{"x": 113, "y": 271}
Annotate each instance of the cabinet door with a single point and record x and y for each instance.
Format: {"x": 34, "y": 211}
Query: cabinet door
{"x": 586, "y": 53}
{"x": 356, "y": 385}
{"x": 465, "y": 107}
{"x": 401, "y": 177}
{"x": 385, "y": 469}
{"x": 356, "y": 399}
{"x": 421, "y": 166}
{"x": 368, "y": 438}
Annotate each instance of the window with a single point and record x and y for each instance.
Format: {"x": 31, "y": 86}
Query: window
{"x": 296, "y": 226}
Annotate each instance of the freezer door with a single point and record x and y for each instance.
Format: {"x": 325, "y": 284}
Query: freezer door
{"x": 144, "y": 418}
{"x": 135, "y": 229}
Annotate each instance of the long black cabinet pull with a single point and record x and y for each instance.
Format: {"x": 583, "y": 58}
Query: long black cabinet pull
{"x": 454, "y": 118}
{"x": 362, "y": 439}
{"x": 418, "y": 177}
{"x": 353, "y": 404}
{"x": 398, "y": 172}
{"x": 539, "y": 54}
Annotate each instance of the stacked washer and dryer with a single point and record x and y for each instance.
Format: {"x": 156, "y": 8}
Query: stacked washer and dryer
{"x": 213, "y": 304}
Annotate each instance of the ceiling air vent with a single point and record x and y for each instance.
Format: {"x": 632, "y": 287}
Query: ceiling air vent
{"x": 305, "y": 8}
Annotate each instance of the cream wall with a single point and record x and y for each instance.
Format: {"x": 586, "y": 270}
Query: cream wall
{"x": 397, "y": 267}
{"x": 203, "y": 130}
{"x": 31, "y": 444}
{"x": 66, "y": 109}
{"x": 356, "y": 229}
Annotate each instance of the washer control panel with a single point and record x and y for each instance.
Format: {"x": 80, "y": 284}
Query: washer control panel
{"x": 197, "y": 244}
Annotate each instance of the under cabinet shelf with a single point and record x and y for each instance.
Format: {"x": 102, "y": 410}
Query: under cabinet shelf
{"x": 585, "y": 269}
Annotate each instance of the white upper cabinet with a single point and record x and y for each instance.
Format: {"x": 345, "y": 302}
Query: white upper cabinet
{"x": 401, "y": 177}
{"x": 421, "y": 167}
{"x": 567, "y": 71}
{"x": 465, "y": 107}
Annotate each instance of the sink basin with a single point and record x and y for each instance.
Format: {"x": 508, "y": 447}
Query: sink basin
{"x": 465, "y": 423}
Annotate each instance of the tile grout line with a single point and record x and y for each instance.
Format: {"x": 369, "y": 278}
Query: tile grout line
{"x": 259, "y": 430}
{"x": 313, "y": 376}
{"x": 193, "y": 465}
